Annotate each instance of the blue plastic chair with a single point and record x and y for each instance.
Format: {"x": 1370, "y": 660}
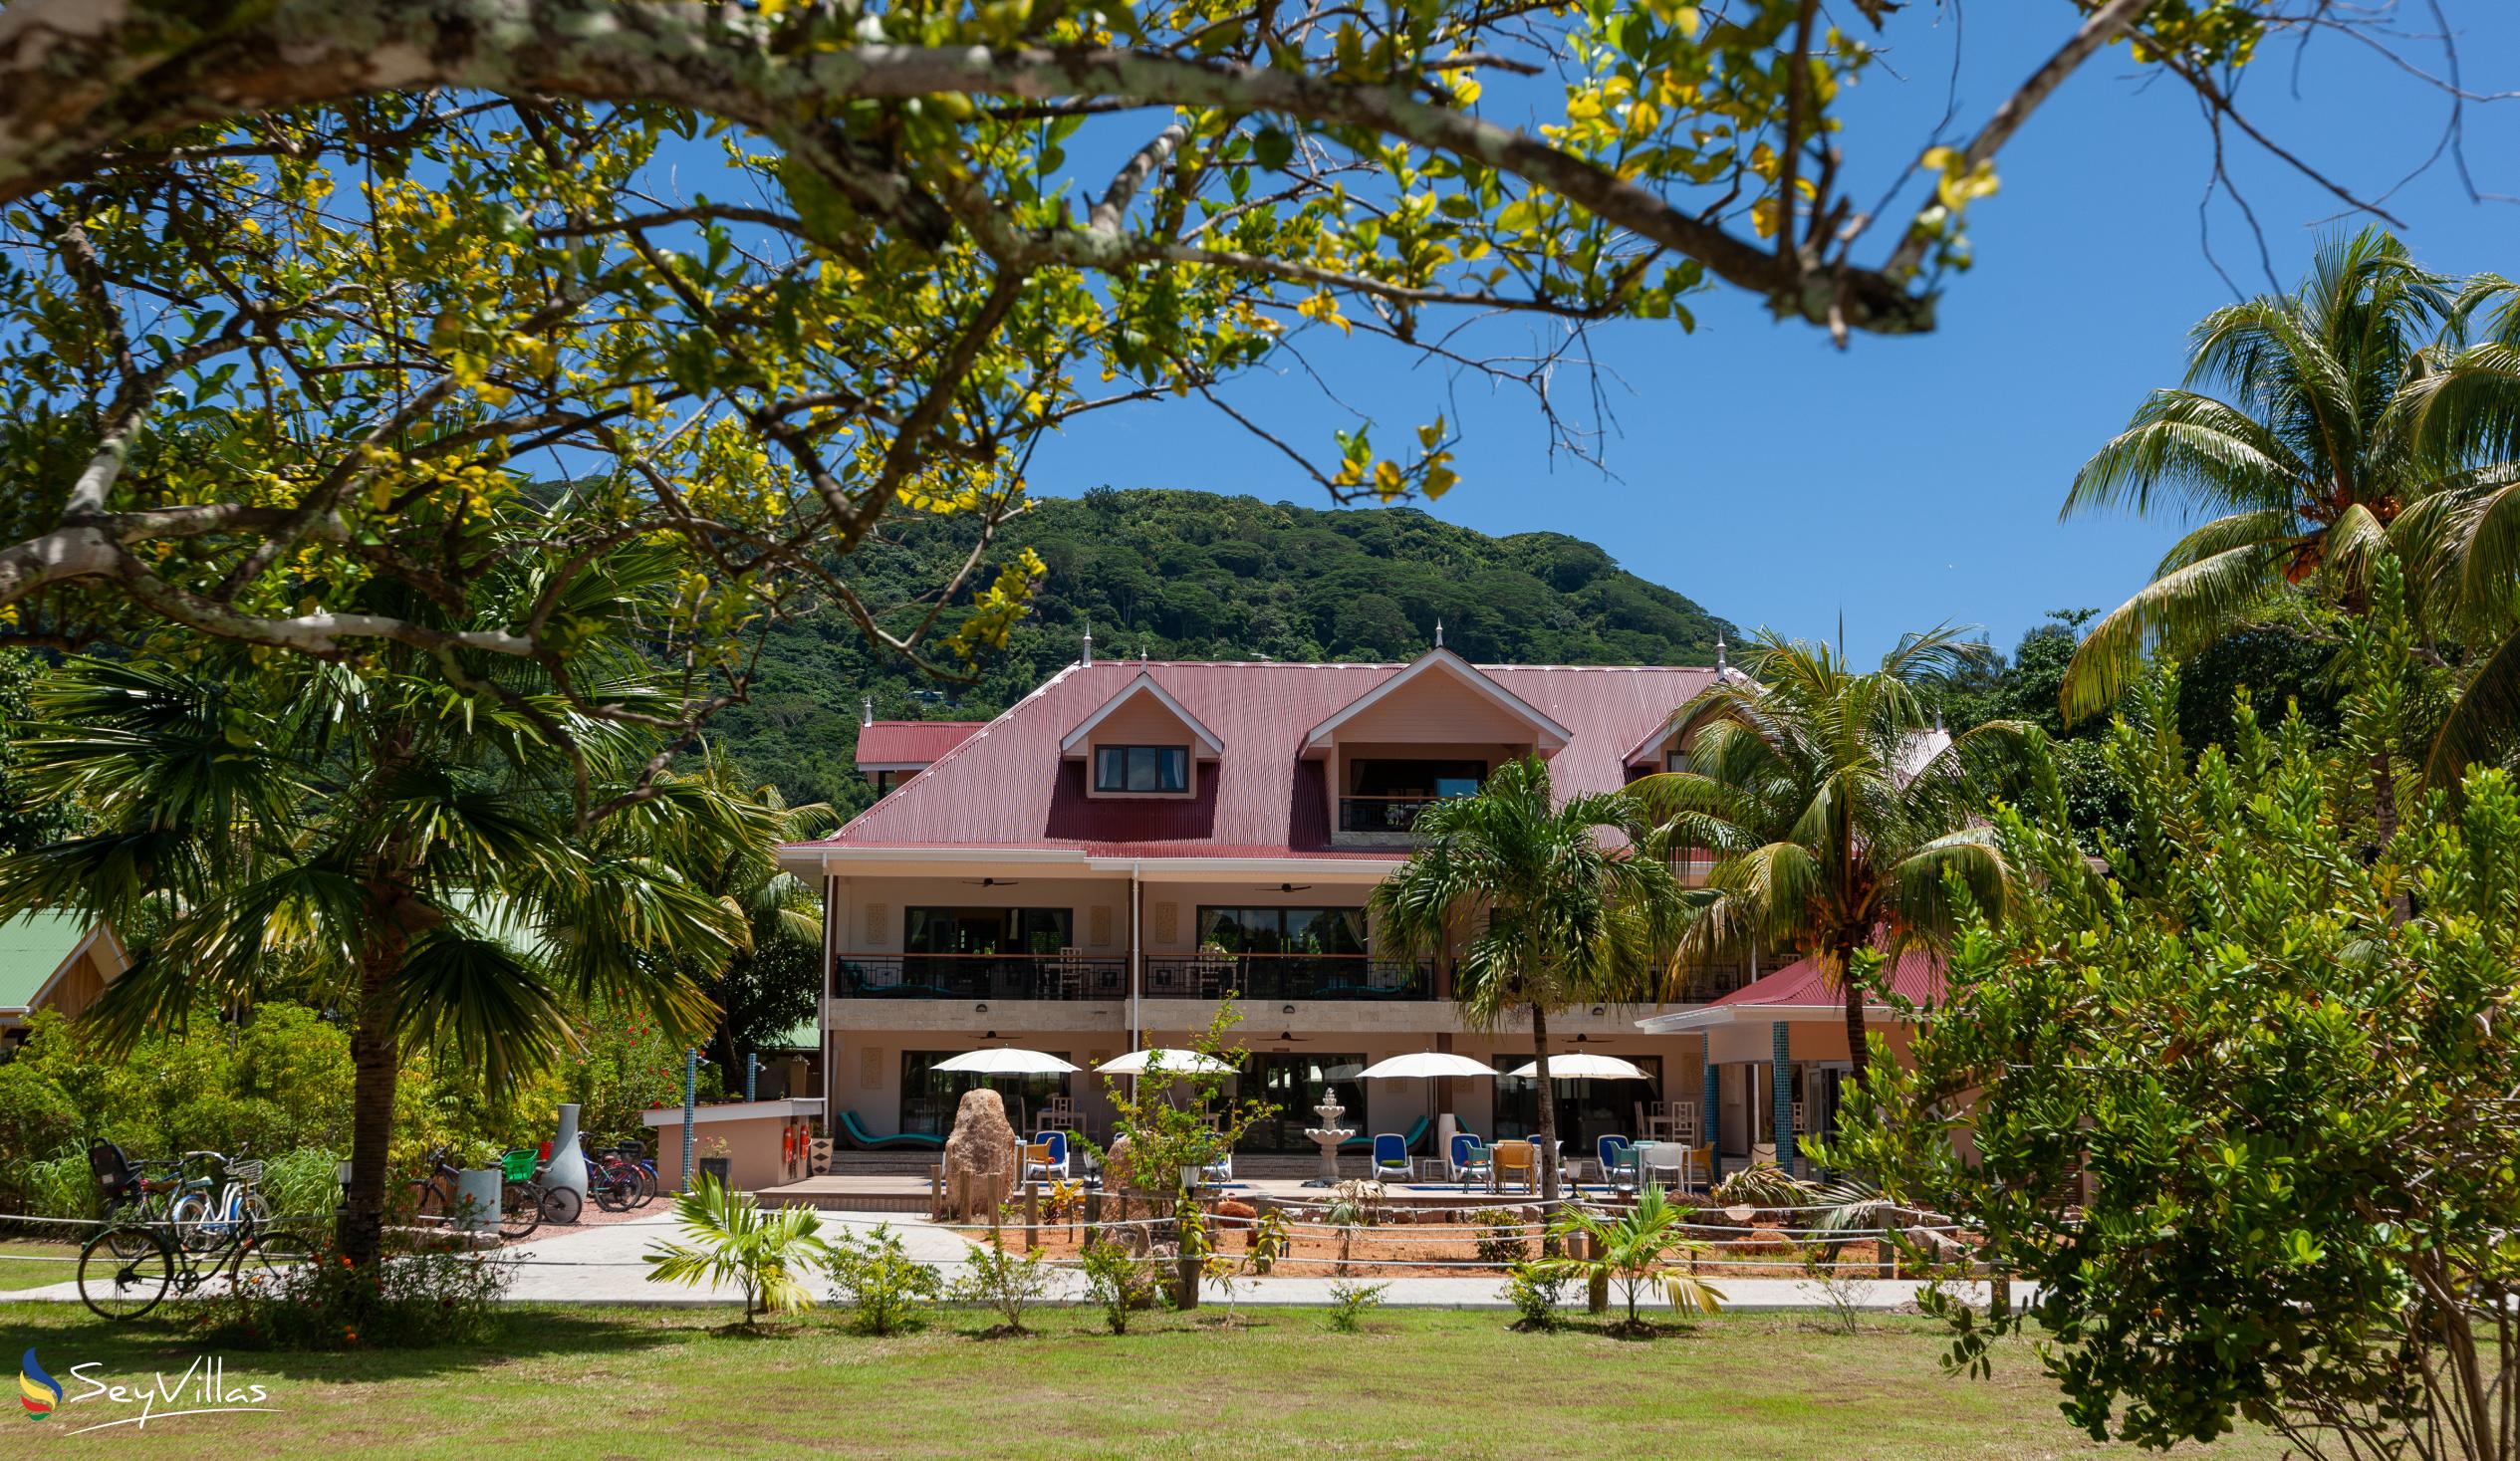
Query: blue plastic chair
{"x": 1467, "y": 1157}
{"x": 1390, "y": 1156}
{"x": 1619, "y": 1161}
{"x": 1057, "y": 1164}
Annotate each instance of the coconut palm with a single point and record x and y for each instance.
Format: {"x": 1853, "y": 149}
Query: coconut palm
{"x": 1578, "y": 905}
{"x": 1834, "y": 808}
{"x": 410, "y": 856}
{"x": 2289, "y": 438}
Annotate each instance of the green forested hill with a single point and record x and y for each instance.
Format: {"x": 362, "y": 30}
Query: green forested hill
{"x": 1191, "y": 575}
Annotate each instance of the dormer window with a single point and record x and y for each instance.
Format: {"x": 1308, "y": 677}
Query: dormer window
{"x": 1142, "y": 768}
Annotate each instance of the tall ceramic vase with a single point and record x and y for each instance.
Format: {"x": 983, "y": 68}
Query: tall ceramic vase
{"x": 568, "y": 1169}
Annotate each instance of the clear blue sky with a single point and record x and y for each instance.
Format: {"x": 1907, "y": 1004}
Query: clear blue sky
{"x": 1906, "y": 482}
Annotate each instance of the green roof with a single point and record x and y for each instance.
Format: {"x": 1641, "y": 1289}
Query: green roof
{"x": 31, "y": 948}
{"x": 808, "y": 1036}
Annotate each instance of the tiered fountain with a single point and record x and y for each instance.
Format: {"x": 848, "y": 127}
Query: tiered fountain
{"x": 1327, "y": 1137}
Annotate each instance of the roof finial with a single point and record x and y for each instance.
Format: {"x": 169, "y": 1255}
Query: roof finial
{"x": 1439, "y": 633}
{"x": 1719, "y": 651}
{"x": 1141, "y": 654}
{"x": 1089, "y": 642}
{"x": 868, "y": 718}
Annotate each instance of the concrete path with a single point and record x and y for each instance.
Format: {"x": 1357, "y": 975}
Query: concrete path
{"x": 605, "y": 1265}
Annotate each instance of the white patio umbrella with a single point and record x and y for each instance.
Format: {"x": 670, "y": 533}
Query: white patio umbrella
{"x": 1425, "y": 1065}
{"x": 1167, "y": 1062}
{"x": 1006, "y": 1061}
{"x": 1581, "y": 1066}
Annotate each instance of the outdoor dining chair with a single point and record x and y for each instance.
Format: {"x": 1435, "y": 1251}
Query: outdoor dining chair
{"x": 1514, "y": 1162}
{"x": 1466, "y": 1158}
{"x": 1390, "y": 1156}
{"x": 1047, "y": 1156}
{"x": 1666, "y": 1164}
{"x": 1618, "y": 1162}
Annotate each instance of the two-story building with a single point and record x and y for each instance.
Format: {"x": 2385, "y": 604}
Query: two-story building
{"x": 1089, "y": 872}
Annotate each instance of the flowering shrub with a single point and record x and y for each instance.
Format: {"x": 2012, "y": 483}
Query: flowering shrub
{"x": 414, "y": 1300}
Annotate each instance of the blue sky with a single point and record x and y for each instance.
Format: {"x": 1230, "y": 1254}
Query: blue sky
{"x": 1908, "y": 482}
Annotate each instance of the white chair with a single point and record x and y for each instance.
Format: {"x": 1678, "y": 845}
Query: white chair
{"x": 1664, "y": 1164}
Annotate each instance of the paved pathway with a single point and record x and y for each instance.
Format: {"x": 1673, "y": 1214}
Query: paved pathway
{"x": 604, "y": 1265}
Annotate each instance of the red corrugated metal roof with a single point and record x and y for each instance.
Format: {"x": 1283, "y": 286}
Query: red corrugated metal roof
{"x": 1914, "y": 976}
{"x": 1006, "y": 787}
{"x": 911, "y": 742}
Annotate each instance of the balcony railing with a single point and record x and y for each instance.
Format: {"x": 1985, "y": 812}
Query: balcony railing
{"x": 1070, "y": 975}
{"x": 1393, "y": 815}
{"x": 1710, "y": 982}
{"x": 1287, "y": 976}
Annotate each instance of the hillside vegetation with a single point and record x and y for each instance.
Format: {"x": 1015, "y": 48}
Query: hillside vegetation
{"x": 1192, "y": 575}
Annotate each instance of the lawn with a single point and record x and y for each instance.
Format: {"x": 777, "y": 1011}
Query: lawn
{"x": 570, "y": 1383}
{"x": 20, "y": 1270}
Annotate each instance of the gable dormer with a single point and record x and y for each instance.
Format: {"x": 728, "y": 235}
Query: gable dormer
{"x": 1433, "y": 730}
{"x": 1141, "y": 743}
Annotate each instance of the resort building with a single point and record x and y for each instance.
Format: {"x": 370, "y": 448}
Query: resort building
{"x": 54, "y": 961}
{"x": 1093, "y": 871}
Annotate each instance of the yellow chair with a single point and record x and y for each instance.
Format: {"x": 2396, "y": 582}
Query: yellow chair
{"x": 1513, "y": 1161}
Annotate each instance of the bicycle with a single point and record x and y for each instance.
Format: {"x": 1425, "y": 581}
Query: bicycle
{"x": 131, "y": 1195}
{"x": 210, "y": 1208}
{"x": 117, "y": 1285}
{"x": 612, "y": 1180}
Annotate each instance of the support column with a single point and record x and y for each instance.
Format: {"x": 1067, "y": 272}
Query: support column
{"x": 1710, "y": 1105}
{"x": 1781, "y": 1079}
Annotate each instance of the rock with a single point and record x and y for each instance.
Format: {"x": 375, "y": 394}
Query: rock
{"x": 1233, "y": 1214}
{"x": 980, "y": 1158}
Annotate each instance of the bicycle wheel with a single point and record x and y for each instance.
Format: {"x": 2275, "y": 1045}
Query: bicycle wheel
{"x": 189, "y": 1217}
{"x": 131, "y": 1237}
{"x": 611, "y": 1191}
{"x": 647, "y": 1183}
{"x": 520, "y": 1210}
{"x": 119, "y": 1288}
{"x": 562, "y": 1205}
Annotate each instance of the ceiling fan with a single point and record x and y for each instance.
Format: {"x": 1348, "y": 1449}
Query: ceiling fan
{"x": 995, "y": 881}
{"x": 1284, "y": 887}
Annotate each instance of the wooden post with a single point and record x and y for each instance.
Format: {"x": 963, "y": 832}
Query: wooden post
{"x": 997, "y": 1202}
{"x": 1032, "y": 1216}
{"x": 1092, "y": 1215}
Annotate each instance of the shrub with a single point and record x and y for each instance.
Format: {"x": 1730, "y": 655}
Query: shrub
{"x": 1005, "y": 1282}
{"x": 1270, "y": 1239}
{"x": 879, "y": 1281}
{"x": 1351, "y": 1303}
{"x": 414, "y": 1300}
{"x": 732, "y": 1240}
{"x": 1632, "y": 1250}
{"x": 1501, "y": 1240}
{"x": 1118, "y": 1283}
{"x": 1534, "y": 1289}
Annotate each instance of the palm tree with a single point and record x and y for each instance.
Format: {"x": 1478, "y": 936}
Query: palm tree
{"x": 775, "y": 979}
{"x": 373, "y": 833}
{"x": 1834, "y": 808}
{"x": 1571, "y": 918}
{"x": 2300, "y": 464}
{"x": 729, "y": 1239}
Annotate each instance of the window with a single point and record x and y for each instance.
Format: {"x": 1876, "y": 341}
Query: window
{"x": 1283, "y": 930}
{"x": 985, "y": 930}
{"x": 929, "y": 1096}
{"x": 1142, "y": 768}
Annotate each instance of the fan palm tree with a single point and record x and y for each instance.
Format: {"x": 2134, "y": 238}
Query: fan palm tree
{"x": 373, "y": 833}
{"x": 1834, "y": 808}
{"x": 729, "y": 1239}
{"x": 2300, "y": 464}
{"x": 1572, "y": 917}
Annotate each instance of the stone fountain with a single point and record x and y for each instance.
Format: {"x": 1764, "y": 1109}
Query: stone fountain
{"x": 1327, "y": 1137}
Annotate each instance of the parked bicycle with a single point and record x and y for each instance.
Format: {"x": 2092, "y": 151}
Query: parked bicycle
{"x": 127, "y": 1269}
{"x": 226, "y": 1199}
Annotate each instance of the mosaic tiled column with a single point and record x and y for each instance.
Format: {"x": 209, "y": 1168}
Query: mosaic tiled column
{"x": 1782, "y": 1083}
{"x": 1706, "y": 1116}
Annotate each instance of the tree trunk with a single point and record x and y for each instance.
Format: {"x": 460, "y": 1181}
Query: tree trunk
{"x": 377, "y": 1061}
{"x": 1857, "y": 1054}
{"x": 1548, "y": 1106}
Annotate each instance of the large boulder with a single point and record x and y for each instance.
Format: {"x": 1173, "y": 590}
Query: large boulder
{"x": 980, "y": 1158}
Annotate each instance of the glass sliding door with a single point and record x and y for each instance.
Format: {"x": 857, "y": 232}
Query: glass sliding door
{"x": 1586, "y": 1109}
{"x": 930, "y": 1096}
{"x": 1295, "y": 1085}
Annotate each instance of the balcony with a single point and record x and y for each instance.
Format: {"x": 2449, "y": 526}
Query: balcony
{"x": 1370, "y": 822}
{"x": 1287, "y": 977}
{"x": 1711, "y": 982}
{"x": 1068, "y": 975}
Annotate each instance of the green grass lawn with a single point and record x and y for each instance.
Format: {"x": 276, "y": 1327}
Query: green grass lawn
{"x": 61, "y": 1264}
{"x": 579, "y": 1384}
